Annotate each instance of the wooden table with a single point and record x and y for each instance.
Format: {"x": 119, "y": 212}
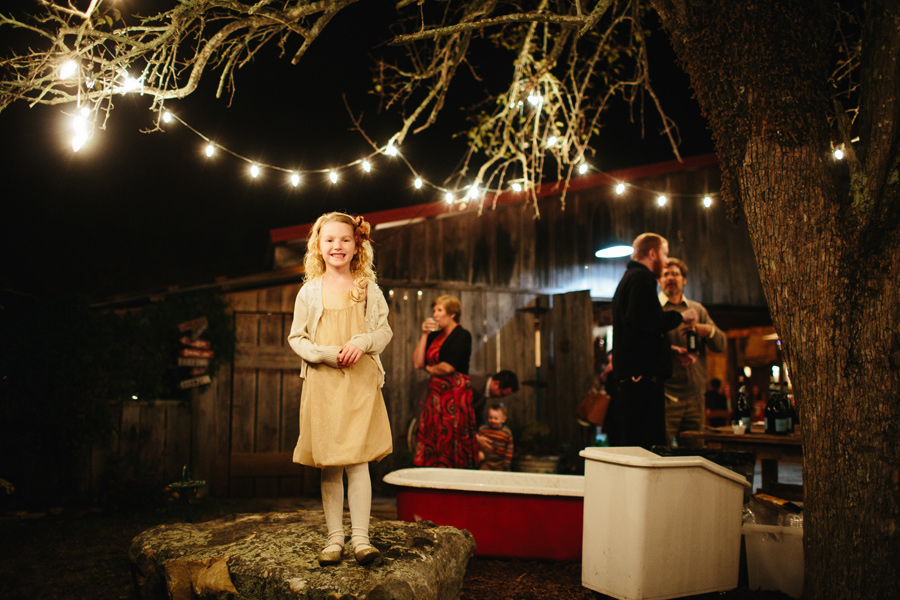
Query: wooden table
{"x": 769, "y": 450}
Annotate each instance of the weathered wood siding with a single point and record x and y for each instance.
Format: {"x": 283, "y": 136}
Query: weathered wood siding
{"x": 508, "y": 248}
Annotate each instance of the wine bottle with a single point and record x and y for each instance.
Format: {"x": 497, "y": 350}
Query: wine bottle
{"x": 771, "y": 413}
{"x": 691, "y": 341}
{"x": 742, "y": 410}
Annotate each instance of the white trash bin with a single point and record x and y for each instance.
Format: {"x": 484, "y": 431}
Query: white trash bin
{"x": 659, "y": 526}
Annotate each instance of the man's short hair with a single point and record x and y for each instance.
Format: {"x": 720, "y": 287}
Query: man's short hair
{"x": 646, "y": 242}
{"x": 680, "y": 264}
{"x": 507, "y": 379}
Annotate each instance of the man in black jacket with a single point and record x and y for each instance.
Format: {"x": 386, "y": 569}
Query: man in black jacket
{"x": 641, "y": 353}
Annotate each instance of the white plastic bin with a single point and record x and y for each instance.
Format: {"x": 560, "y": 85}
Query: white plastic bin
{"x": 775, "y": 558}
{"x": 659, "y": 527}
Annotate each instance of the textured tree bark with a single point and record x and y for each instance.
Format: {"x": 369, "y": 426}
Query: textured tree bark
{"x": 825, "y": 235}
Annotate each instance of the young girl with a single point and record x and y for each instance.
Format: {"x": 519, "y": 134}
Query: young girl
{"x": 340, "y": 327}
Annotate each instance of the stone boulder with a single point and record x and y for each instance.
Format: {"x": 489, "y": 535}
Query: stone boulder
{"x": 272, "y": 556}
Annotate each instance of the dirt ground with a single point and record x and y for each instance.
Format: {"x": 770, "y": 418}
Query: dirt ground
{"x": 84, "y": 556}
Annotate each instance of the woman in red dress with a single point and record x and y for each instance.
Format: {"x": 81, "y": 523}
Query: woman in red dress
{"x": 446, "y": 435}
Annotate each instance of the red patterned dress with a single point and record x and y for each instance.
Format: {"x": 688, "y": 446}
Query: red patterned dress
{"x": 446, "y": 436}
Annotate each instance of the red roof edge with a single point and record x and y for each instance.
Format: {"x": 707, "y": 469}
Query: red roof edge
{"x": 432, "y": 209}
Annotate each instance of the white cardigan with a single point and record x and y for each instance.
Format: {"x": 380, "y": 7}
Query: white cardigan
{"x": 307, "y": 312}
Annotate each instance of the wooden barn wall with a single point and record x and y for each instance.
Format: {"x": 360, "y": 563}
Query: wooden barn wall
{"x": 507, "y": 247}
{"x": 238, "y": 433}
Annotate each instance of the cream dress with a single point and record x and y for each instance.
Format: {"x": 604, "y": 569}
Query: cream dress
{"x": 343, "y": 420}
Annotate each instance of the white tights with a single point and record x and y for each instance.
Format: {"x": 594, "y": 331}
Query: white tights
{"x": 359, "y": 497}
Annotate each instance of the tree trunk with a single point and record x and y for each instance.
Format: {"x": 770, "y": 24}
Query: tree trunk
{"x": 826, "y": 235}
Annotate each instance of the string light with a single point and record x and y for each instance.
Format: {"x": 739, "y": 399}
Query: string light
{"x": 449, "y": 196}
{"x": 839, "y": 153}
{"x": 68, "y": 69}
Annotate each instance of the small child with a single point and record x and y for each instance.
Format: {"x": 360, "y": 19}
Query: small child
{"x": 339, "y": 330}
{"x": 495, "y": 441}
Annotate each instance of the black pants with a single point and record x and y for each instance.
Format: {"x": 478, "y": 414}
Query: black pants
{"x": 637, "y": 413}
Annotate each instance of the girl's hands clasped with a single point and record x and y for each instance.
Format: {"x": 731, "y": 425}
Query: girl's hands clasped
{"x": 349, "y": 355}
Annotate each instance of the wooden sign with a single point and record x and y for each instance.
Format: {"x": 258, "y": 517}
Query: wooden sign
{"x": 196, "y": 353}
{"x": 193, "y": 324}
{"x": 202, "y": 344}
{"x": 195, "y": 382}
{"x": 185, "y": 361}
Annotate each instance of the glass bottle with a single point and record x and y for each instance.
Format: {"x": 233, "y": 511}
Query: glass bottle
{"x": 691, "y": 341}
{"x": 742, "y": 410}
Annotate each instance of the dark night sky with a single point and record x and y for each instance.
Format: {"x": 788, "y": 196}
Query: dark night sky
{"x": 134, "y": 211}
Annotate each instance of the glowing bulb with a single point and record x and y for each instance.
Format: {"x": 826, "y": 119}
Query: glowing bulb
{"x": 367, "y": 166}
{"x": 254, "y": 171}
{"x": 473, "y": 191}
{"x": 210, "y": 149}
{"x": 79, "y": 140}
{"x": 535, "y": 99}
{"x": 582, "y": 169}
{"x": 620, "y": 188}
{"x": 838, "y": 153}
{"x": 707, "y": 201}
{"x": 130, "y": 84}
{"x": 295, "y": 179}
{"x": 167, "y": 117}
{"x": 661, "y": 200}
{"x": 68, "y": 69}
{"x": 80, "y": 129}
{"x": 551, "y": 141}
{"x": 418, "y": 183}
{"x": 390, "y": 150}
{"x": 448, "y": 198}
{"x": 517, "y": 187}
{"x": 332, "y": 175}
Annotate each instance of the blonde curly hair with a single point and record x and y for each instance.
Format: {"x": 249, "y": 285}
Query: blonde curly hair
{"x": 362, "y": 265}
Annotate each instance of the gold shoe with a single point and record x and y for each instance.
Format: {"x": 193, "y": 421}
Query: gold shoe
{"x": 330, "y": 554}
{"x": 366, "y": 553}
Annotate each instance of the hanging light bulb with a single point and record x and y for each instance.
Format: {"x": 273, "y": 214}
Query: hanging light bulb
{"x": 448, "y": 198}
{"x": 68, "y": 69}
{"x": 839, "y": 153}
{"x": 707, "y": 201}
{"x": 551, "y": 141}
{"x": 391, "y": 150}
{"x": 210, "y": 149}
{"x": 332, "y": 175}
{"x": 661, "y": 200}
{"x": 367, "y": 166}
{"x": 418, "y": 183}
{"x": 583, "y": 168}
{"x": 167, "y": 117}
{"x": 295, "y": 179}
{"x": 517, "y": 187}
{"x": 620, "y": 188}
{"x": 80, "y": 129}
{"x": 473, "y": 191}
{"x": 254, "y": 171}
